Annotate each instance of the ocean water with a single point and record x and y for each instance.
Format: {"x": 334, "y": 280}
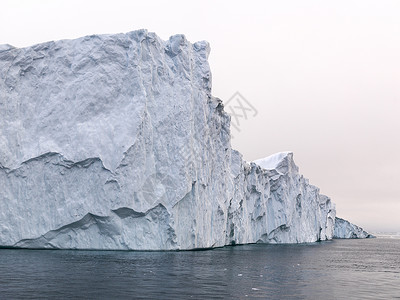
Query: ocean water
{"x": 340, "y": 269}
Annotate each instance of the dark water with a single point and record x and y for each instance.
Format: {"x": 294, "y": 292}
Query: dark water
{"x": 342, "y": 269}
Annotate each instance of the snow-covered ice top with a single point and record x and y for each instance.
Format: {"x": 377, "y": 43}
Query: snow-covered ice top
{"x": 272, "y": 161}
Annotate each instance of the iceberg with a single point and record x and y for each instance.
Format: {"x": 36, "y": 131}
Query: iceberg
{"x": 115, "y": 142}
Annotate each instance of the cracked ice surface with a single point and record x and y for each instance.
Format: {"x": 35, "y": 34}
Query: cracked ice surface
{"x": 115, "y": 142}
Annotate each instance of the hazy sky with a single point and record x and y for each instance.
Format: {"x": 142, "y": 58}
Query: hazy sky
{"x": 324, "y": 77}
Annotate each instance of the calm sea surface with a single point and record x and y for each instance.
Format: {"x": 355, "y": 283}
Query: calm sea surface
{"x": 342, "y": 269}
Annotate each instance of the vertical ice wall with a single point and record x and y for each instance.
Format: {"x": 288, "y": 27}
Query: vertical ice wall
{"x": 115, "y": 142}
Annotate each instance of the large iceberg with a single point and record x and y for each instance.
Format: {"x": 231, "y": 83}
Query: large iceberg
{"x": 115, "y": 142}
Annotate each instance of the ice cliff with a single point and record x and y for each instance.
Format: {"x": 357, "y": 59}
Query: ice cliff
{"x": 115, "y": 142}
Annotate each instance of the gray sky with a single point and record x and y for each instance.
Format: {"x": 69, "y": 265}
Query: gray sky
{"x": 324, "y": 77}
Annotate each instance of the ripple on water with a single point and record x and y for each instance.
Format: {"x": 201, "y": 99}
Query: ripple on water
{"x": 347, "y": 269}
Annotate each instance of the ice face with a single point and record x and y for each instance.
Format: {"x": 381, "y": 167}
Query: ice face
{"x": 115, "y": 142}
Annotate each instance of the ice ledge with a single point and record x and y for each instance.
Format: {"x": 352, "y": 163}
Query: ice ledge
{"x": 6, "y": 47}
{"x": 116, "y": 231}
{"x": 346, "y": 230}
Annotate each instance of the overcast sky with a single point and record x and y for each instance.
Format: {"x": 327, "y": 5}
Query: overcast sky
{"x": 324, "y": 77}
